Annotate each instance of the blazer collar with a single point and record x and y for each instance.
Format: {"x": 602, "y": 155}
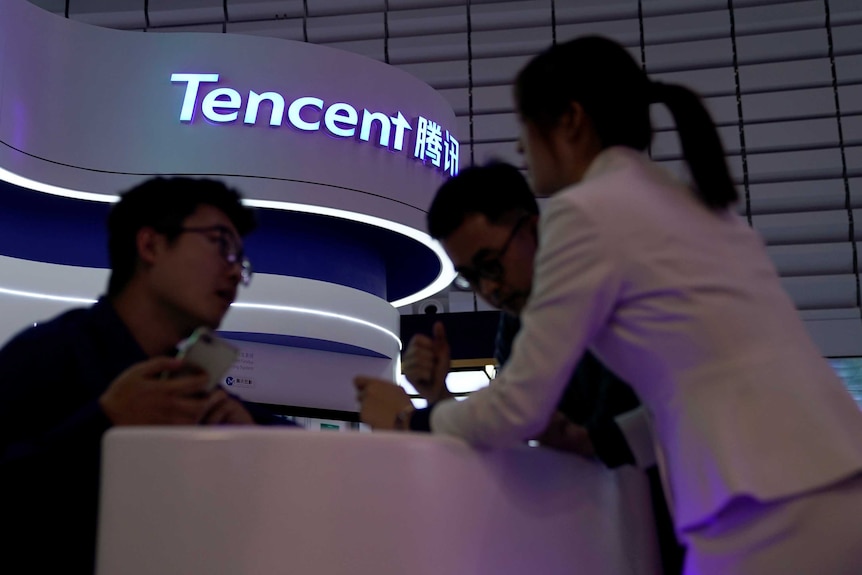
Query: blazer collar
{"x": 612, "y": 159}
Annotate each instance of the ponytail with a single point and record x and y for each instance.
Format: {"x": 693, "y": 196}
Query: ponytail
{"x": 616, "y": 94}
{"x": 701, "y": 145}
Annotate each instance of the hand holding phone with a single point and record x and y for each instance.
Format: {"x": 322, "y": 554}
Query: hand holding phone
{"x": 204, "y": 349}
{"x": 157, "y": 391}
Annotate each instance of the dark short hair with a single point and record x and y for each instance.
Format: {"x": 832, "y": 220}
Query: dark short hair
{"x": 163, "y": 204}
{"x": 495, "y": 190}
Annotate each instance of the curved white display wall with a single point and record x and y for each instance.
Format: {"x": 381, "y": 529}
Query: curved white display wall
{"x": 341, "y": 154}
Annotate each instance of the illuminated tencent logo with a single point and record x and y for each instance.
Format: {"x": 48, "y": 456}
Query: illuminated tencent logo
{"x": 433, "y": 146}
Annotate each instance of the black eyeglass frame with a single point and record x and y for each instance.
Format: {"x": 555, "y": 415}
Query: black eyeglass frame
{"x": 228, "y": 245}
{"x": 491, "y": 268}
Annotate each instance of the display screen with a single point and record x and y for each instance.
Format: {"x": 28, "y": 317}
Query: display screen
{"x": 849, "y": 369}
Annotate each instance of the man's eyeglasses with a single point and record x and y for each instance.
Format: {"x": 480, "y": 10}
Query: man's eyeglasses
{"x": 229, "y": 246}
{"x": 491, "y": 267}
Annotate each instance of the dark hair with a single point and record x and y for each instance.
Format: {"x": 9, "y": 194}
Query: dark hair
{"x": 163, "y": 204}
{"x": 495, "y": 190}
{"x": 615, "y": 93}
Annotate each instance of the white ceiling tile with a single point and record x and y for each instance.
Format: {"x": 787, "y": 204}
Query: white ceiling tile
{"x": 436, "y": 48}
{"x": 511, "y": 15}
{"x": 242, "y": 10}
{"x": 55, "y": 6}
{"x": 345, "y": 28}
{"x": 290, "y": 29}
{"x": 373, "y": 48}
{"x": 185, "y": 12}
{"x": 208, "y": 28}
{"x": 121, "y": 14}
{"x": 334, "y": 7}
{"x": 429, "y": 21}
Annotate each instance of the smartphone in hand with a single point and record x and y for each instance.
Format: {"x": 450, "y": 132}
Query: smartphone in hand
{"x": 204, "y": 349}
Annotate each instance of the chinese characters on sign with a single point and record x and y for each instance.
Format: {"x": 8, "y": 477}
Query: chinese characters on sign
{"x": 242, "y": 372}
{"x": 431, "y": 146}
{"x": 434, "y": 146}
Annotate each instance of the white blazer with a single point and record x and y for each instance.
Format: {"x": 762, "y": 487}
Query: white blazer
{"x": 685, "y": 305}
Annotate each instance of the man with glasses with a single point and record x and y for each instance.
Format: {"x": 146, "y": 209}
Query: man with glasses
{"x": 486, "y": 219}
{"x": 176, "y": 256}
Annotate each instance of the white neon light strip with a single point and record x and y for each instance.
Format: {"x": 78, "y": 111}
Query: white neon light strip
{"x": 317, "y": 312}
{"x": 283, "y": 308}
{"x": 443, "y": 279}
{"x": 23, "y": 182}
{"x": 36, "y": 295}
{"x": 447, "y": 270}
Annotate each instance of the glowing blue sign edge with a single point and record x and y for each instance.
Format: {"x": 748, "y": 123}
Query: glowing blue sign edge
{"x": 444, "y": 278}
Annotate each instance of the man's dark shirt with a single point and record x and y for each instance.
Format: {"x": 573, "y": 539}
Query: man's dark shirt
{"x": 593, "y": 398}
{"x": 51, "y": 427}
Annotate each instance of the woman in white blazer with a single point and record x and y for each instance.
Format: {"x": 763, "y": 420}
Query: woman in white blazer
{"x": 759, "y": 443}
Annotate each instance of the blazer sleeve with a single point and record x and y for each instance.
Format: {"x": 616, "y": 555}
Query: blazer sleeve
{"x": 577, "y": 282}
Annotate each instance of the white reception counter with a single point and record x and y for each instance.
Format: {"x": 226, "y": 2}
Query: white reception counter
{"x": 242, "y": 501}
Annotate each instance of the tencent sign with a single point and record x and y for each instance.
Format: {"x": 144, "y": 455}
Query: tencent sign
{"x": 433, "y": 145}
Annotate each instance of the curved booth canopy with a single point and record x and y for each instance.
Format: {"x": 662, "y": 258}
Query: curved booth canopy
{"x": 340, "y": 154}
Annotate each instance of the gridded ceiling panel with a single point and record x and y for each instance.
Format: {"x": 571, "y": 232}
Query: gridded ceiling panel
{"x": 123, "y": 14}
{"x": 257, "y": 10}
{"x": 184, "y": 12}
{"x": 56, "y": 6}
{"x": 285, "y": 28}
